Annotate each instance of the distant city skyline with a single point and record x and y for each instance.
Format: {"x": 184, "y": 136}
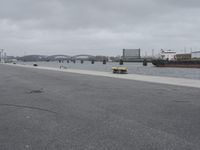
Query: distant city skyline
{"x": 105, "y": 27}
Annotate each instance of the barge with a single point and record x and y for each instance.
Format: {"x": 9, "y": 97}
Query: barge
{"x": 176, "y": 63}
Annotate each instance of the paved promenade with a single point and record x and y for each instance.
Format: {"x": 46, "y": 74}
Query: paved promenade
{"x": 52, "y": 110}
{"x": 146, "y": 78}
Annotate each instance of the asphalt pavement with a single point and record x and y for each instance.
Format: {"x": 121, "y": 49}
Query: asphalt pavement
{"x": 51, "y": 110}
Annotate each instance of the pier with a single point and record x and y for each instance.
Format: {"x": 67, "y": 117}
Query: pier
{"x": 43, "y": 108}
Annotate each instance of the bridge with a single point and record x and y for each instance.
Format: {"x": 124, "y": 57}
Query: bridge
{"x": 59, "y": 57}
{"x": 82, "y": 56}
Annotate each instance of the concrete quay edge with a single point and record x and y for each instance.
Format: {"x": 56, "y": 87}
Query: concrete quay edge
{"x": 145, "y": 78}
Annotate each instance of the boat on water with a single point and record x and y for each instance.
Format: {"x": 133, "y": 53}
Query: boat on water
{"x": 176, "y": 63}
{"x": 171, "y": 59}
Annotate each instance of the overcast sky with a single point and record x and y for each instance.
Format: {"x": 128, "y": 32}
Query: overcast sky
{"x": 98, "y": 27}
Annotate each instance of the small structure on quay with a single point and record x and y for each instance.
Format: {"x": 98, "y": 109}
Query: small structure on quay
{"x": 120, "y": 70}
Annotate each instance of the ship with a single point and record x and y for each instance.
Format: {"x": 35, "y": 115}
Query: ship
{"x": 176, "y": 63}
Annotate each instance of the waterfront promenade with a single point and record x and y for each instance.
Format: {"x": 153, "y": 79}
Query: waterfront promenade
{"x": 51, "y": 110}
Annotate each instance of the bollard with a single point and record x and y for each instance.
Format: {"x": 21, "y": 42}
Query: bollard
{"x": 92, "y": 62}
{"x": 104, "y": 61}
{"x": 67, "y": 61}
{"x": 82, "y": 61}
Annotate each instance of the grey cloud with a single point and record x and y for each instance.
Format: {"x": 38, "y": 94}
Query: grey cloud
{"x": 103, "y": 27}
{"x": 79, "y": 14}
{"x": 181, "y": 4}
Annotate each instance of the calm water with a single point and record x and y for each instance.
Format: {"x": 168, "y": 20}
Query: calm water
{"x": 134, "y": 68}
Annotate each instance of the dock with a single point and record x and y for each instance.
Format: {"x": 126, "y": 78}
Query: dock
{"x": 43, "y": 108}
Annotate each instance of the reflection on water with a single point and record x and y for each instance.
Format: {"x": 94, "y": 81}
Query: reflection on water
{"x": 133, "y": 68}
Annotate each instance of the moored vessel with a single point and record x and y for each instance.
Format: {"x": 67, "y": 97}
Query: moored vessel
{"x": 175, "y": 63}
{"x": 171, "y": 59}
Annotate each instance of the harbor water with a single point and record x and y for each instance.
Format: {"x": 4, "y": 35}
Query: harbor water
{"x": 133, "y": 68}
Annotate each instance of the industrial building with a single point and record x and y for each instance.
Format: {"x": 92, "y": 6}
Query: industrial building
{"x": 196, "y": 55}
{"x": 131, "y": 55}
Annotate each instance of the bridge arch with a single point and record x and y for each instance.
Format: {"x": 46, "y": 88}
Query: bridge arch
{"x": 82, "y": 56}
{"x": 58, "y": 57}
